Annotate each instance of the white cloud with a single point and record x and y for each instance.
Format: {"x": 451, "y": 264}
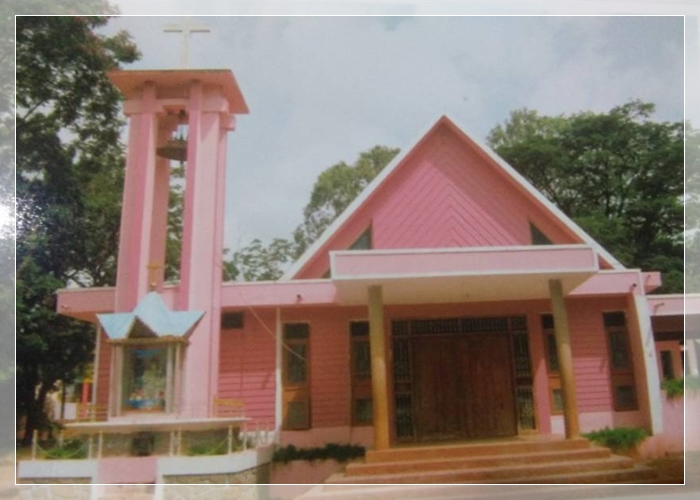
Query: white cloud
{"x": 322, "y": 90}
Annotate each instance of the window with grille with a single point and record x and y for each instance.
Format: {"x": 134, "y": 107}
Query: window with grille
{"x": 361, "y": 373}
{"x": 555, "y": 395}
{"x": 621, "y": 365}
{"x": 295, "y": 377}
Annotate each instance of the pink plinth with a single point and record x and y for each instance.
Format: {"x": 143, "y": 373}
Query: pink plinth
{"x": 125, "y": 470}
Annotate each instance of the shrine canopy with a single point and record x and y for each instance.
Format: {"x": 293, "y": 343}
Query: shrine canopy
{"x": 151, "y": 318}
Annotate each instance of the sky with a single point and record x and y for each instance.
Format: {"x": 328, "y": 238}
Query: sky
{"x": 323, "y": 89}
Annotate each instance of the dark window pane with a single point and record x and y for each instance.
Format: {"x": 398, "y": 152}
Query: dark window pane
{"x": 364, "y": 242}
{"x": 293, "y": 331}
{"x": 521, "y": 350}
{"x": 363, "y": 411}
{"x": 399, "y": 327}
{"x": 552, "y": 356}
{"x": 547, "y": 322}
{"x": 667, "y": 364}
{"x": 359, "y": 328}
{"x": 404, "y": 416}
{"x": 298, "y": 415}
{"x": 538, "y": 237}
{"x": 557, "y": 401}
{"x": 296, "y": 364}
{"x": 625, "y": 398}
{"x": 614, "y": 319}
{"x": 362, "y": 367}
{"x": 434, "y": 326}
{"x": 618, "y": 349}
{"x": 474, "y": 325}
{"x": 232, "y": 320}
{"x": 519, "y": 323}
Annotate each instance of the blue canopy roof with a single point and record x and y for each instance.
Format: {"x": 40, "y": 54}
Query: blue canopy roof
{"x": 153, "y": 315}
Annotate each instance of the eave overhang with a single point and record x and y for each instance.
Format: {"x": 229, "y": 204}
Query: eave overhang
{"x": 460, "y": 274}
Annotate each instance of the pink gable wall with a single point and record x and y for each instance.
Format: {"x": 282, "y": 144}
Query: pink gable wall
{"x": 446, "y": 193}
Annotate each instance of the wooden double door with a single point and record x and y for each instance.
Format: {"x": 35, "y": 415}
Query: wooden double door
{"x": 463, "y": 386}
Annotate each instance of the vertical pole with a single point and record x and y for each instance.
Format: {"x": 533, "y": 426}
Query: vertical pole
{"x": 120, "y": 375}
{"x": 169, "y": 381}
{"x": 96, "y": 366}
{"x": 112, "y": 401}
{"x": 278, "y": 376}
{"x": 35, "y": 443}
{"x": 691, "y": 357}
{"x": 380, "y": 397}
{"x": 244, "y": 436}
{"x": 230, "y": 439}
{"x": 178, "y": 378}
{"x": 171, "y": 444}
{"x": 566, "y": 360}
{"x": 100, "y": 443}
{"x": 90, "y": 446}
{"x": 644, "y": 363}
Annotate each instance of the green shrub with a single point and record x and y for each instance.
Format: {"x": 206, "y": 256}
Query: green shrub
{"x": 207, "y": 449}
{"x": 673, "y": 387}
{"x": 332, "y": 451}
{"x": 620, "y": 439}
{"x": 73, "y": 449}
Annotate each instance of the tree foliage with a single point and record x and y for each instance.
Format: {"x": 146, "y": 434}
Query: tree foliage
{"x": 335, "y": 188}
{"x": 69, "y": 182}
{"x": 257, "y": 262}
{"x": 617, "y": 174}
{"x": 692, "y": 210}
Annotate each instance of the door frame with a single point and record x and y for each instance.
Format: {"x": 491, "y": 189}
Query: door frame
{"x": 402, "y": 374}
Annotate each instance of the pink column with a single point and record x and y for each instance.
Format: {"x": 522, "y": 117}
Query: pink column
{"x": 160, "y": 213}
{"x": 539, "y": 374}
{"x": 202, "y": 244}
{"x": 139, "y": 202}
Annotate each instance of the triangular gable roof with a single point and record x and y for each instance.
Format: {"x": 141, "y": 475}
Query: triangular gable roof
{"x": 496, "y": 161}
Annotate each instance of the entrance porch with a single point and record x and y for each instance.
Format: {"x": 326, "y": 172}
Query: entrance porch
{"x": 463, "y": 377}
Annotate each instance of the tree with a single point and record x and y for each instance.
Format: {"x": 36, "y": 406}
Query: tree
{"x": 692, "y": 210}
{"x": 335, "y": 188}
{"x": 618, "y": 174}
{"x": 256, "y": 262}
{"x": 70, "y": 172}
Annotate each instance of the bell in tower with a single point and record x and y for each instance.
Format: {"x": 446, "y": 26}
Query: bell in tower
{"x": 183, "y": 116}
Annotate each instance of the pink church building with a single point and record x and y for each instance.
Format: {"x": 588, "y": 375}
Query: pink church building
{"x": 450, "y": 302}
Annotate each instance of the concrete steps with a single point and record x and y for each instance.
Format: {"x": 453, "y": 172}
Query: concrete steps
{"x": 525, "y": 461}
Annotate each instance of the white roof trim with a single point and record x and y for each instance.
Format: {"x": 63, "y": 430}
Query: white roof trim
{"x": 388, "y": 170}
{"x": 575, "y": 228}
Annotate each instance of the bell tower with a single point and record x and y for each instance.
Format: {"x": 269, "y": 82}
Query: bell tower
{"x": 158, "y": 104}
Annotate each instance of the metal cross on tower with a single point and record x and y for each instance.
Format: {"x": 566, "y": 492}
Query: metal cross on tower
{"x": 186, "y": 30}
